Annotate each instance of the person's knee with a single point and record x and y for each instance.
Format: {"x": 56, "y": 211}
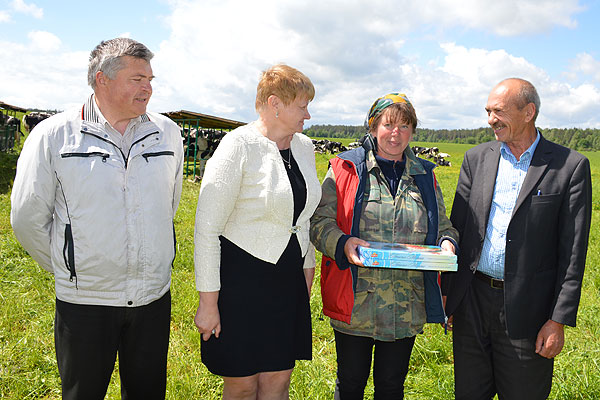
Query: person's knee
{"x": 274, "y": 384}
{"x": 240, "y": 388}
{"x": 389, "y": 384}
{"x": 352, "y": 377}
{"x": 351, "y": 385}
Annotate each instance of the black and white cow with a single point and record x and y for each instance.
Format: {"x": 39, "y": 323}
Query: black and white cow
{"x": 34, "y": 118}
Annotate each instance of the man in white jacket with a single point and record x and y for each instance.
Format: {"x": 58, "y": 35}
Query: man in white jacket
{"x": 93, "y": 203}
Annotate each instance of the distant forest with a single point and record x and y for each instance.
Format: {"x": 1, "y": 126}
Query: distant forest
{"x": 574, "y": 138}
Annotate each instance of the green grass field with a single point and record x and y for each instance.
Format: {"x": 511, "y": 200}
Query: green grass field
{"x": 28, "y": 366}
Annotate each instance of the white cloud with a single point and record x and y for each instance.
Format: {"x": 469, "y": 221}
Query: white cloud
{"x": 566, "y": 106}
{"x": 5, "y": 17}
{"x": 36, "y": 79}
{"x": 353, "y": 51}
{"x": 44, "y": 41}
{"x": 31, "y": 9}
{"x": 457, "y": 92}
{"x": 215, "y": 64}
{"x": 504, "y": 18}
{"x": 585, "y": 64}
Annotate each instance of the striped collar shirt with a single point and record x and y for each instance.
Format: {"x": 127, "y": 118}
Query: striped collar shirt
{"x": 122, "y": 141}
{"x": 510, "y": 177}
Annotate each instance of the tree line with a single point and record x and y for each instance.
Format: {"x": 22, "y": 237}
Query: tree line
{"x": 575, "y": 138}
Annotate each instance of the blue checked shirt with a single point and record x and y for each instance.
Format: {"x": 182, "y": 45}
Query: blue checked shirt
{"x": 511, "y": 174}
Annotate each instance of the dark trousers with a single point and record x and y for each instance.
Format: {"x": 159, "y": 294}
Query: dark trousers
{"x": 354, "y": 354}
{"x": 88, "y": 338}
{"x": 486, "y": 360}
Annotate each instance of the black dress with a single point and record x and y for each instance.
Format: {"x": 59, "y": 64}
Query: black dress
{"x": 264, "y": 307}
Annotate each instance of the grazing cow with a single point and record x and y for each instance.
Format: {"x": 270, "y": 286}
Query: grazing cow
{"x": 14, "y": 121}
{"x": 31, "y": 120}
{"x": 324, "y": 146}
{"x": 432, "y": 152}
{"x": 201, "y": 143}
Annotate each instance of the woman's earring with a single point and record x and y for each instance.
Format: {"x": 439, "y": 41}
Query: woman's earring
{"x": 277, "y": 114}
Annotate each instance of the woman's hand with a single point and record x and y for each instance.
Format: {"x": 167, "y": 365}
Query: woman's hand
{"x": 207, "y": 319}
{"x": 350, "y": 250}
{"x": 309, "y": 274}
{"x": 447, "y": 245}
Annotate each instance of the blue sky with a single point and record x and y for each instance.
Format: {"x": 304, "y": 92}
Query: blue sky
{"x": 445, "y": 55}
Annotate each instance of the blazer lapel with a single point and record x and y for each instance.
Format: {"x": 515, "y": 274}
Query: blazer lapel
{"x": 490, "y": 164}
{"x": 539, "y": 164}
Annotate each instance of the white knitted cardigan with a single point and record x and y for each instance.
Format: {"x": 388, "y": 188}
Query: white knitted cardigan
{"x": 246, "y": 196}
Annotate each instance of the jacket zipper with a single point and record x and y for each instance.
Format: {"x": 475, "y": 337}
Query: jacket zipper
{"x": 92, "y": 154}
{"x": 69, "y": 245}
{"x": 157, "y": 154}
{"x": 109, "y": 142}
{"x": 141, "y": 139}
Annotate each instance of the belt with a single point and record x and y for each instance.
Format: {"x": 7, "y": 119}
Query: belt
{"x": 492, "y": 282}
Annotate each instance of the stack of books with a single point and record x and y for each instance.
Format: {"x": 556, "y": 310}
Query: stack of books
{"x": 407, "y": 256}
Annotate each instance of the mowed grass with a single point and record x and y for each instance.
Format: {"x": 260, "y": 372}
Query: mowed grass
{"x": 27, "y": 360}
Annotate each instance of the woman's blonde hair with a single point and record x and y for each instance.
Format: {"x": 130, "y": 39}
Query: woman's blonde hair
{"x": 285, "y": 82}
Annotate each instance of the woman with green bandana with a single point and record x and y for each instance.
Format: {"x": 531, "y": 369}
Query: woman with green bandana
{"x": 379, "y": 192}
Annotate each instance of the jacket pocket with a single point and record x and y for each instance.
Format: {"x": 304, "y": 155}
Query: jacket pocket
{"x": 158, "y": 154}
{"x": 545, "y": 198}
{"x": 103, "y": 155}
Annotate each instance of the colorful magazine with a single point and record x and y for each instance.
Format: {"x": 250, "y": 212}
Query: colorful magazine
{"x": 407, "y": 256}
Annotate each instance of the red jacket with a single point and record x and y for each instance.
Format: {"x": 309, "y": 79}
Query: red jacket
{"x": 338, "y": 285}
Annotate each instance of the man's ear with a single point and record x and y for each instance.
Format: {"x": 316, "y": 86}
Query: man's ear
{"x": 529, "y": 111}
{"x": 100, "y": 78}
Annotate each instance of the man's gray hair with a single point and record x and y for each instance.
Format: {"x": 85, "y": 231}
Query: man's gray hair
{"x": 108, "y": 57}
{"x": 527, "y": 94}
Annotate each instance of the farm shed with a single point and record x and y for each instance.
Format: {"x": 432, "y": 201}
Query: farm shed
{"x": 201, "y": 134}
{"x": 9, "y": 133}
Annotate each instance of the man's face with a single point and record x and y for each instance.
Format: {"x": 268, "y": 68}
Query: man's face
{"x": 504, "y": 116}
{"x": 131, "y": 89}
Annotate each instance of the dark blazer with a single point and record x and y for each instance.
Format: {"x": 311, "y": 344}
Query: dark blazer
{"x": 546, "y": 240}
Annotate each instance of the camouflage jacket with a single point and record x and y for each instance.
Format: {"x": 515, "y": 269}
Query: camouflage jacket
{"x": 388, "y": 303}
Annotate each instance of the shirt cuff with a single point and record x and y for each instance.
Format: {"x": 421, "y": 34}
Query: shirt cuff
{"x": 340, "y": 257}
{"x": 456, "y": 248}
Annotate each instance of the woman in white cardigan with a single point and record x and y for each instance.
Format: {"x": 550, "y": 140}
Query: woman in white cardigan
{"x": 253, "y": 259}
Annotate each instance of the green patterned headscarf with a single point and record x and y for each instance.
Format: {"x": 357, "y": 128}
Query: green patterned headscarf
{"x": 381, "y": 104}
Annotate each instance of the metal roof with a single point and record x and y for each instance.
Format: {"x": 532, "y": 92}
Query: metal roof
{"x": 204, "y": 120}
{"x": 10, "y": 107}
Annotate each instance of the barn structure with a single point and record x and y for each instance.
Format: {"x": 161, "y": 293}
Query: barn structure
{"x": 201, "y": 135}
{"x": 9, "y": 133}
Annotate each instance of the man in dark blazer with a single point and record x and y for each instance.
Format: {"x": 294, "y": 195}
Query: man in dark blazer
{"x": 523, "y": 211}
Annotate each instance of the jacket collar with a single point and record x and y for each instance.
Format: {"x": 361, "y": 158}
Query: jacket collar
{"x": 92, "y": 121}
{"x": 539, "y": 163}
{"x": 413, "y": 166}
{"x": 91, "y": 113}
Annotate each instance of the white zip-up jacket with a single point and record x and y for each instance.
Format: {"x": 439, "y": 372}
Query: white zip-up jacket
{"x": 98, "y": 217}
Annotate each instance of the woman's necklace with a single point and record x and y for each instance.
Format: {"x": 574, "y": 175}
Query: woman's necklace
{"x": 288, "y": 162}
